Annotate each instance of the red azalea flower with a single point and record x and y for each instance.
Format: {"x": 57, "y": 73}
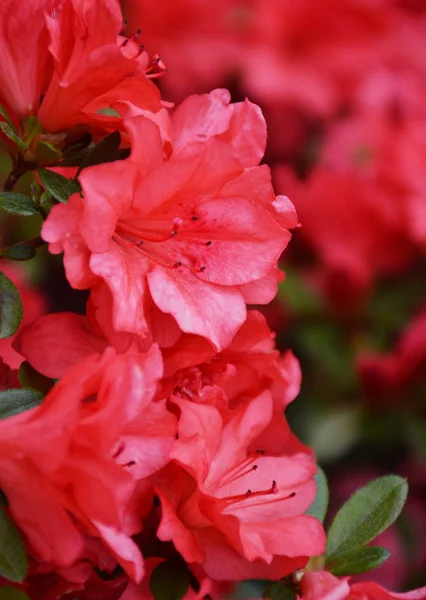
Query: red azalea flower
{"x": 70, "y": 55}
{"x": 232, "y": 506}
{"x": 101, "y": 435}
{"x": 197, "y": 234}
{"x": 325, "y": 586}
{"x": 387, "y": 150}
{"x": 386, "y": 378}
{"x": 352, "y": 227}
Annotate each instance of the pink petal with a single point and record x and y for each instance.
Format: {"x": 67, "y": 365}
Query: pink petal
{"x": 53, "y": 343}
{"x": 223, "y": 563}
{"x": 123, "y": 271}
{"x": 212, "y": 311}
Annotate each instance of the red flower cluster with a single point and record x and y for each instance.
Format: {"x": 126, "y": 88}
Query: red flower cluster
{"x": 164, "y": 437}
{"x": 161, "y": 441}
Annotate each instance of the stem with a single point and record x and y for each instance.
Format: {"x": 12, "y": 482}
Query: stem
{"x": 18, "y": 170}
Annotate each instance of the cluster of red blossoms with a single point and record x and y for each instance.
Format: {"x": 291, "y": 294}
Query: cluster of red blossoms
{"x": 163, "y": 439}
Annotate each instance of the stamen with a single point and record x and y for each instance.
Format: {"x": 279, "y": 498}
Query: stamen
{"x": 208, "y": 243}
{"x": 139, "y": 52}
{"x": 178, "y": 264}
{"x": 240, "y": 470}
{"x": 202, "y": 269}
{"x": 194, "y": 218}
{"x": 124, "y": 43}
{"x": 250, "y": 494}
{"x": 156, "y": 68}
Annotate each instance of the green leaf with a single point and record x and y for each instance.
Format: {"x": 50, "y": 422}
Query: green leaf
{"x": 9, "y": 593}
{"x": 5, "y": 115}
{"x": 169, "y": 580}
{"x": 13, "y": 402}
{"x": 370, "y": 511}
{"x": 359, "y": 561}
{"x": 318, "y": 508}
{"x": 280, "y": 591}
{"x": 58, "y": 186}
{"x": 105, "y": 151}
{"x": 17, "y": 204}
{"x": 20, "y": 251}
{"x": 46, "y": 202}
{"x": 11, "y": 134}
{"x": 30, "y": 378}
{"x": 11, "y": 310}
{"x": 13, "y": 558}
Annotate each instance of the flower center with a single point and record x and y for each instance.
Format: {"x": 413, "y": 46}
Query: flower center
{"x": 170, "y": 242}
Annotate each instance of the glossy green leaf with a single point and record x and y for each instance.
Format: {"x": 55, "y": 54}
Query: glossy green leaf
{"x": 280, "y": 591}
{"x": 170, "y": 580}
{"x": 58, "y": 186}
{"x": 13, "y": 402}
{"x": 318, "y": 508}
{"x": 11, "y": 310}
{"x": 20, "y": 251}
{"x": 13, "y": 558}
{"x": 359, "y": 561}
{"x": 369, "y": 512}
{"x": 17, "y": 204}
{"x": 12, "y": 135}
{"x": 9, "y": 593}
{"x": 105, "y": 151}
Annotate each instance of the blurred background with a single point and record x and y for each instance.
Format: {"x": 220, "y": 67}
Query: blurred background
{"x": 342, "y": 84}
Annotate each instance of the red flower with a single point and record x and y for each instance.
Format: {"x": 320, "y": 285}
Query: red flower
{"x": 231, "y": 506}
{"x": 26, "y": 63}
{"x": 388, "y": 151}
{"x": 198, "y": 234}
{"x": 386, "y": 377}
{"x": 352, "y": 227}
{"x": 101, "y": 434}
{"x": 69, "y": 54}
{"x": 325, "y": 586}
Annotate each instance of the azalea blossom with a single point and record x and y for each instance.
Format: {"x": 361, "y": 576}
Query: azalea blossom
{"x": 230, "y": 505}
{"x": 352, "y": 227}
{"x": 386, "y": 377}
{"x": 65, "y": 62}
{"x": 197, "y": 234}
{"x": 101, "y": 435}
{"x": 322, "y": 585}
